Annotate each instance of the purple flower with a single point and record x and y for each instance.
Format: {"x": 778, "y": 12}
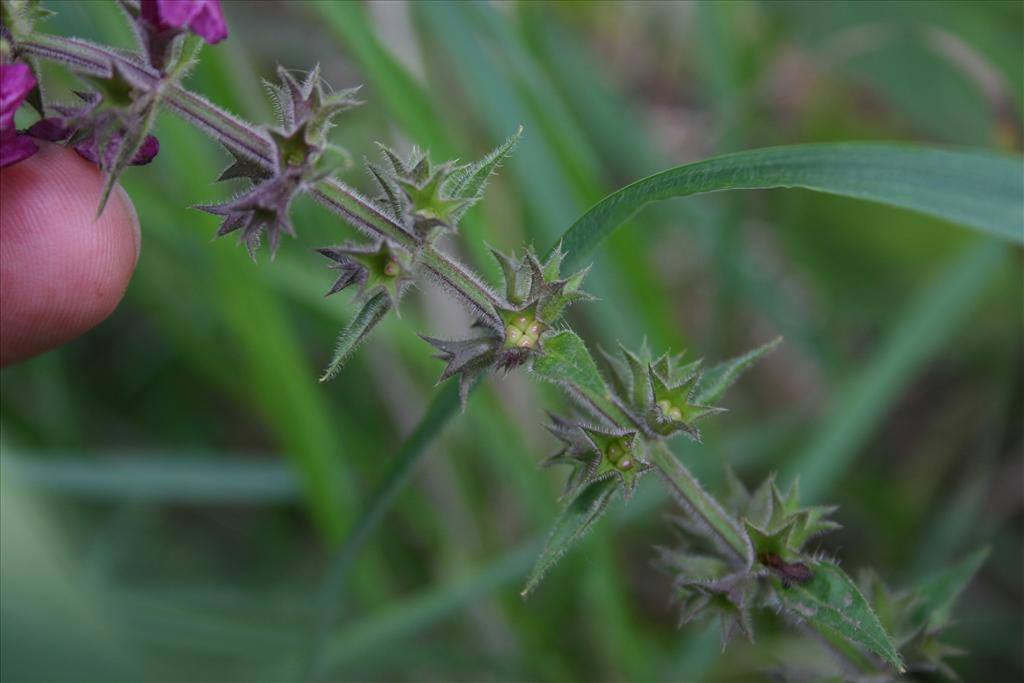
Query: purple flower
{"x": 202, "y": 17}
{"x": 16, "y": 82}
{"x": 55, "y": 130}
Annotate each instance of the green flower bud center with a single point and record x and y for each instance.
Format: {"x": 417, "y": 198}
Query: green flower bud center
{"x": 523, "y": 330}
{"x": 670, "y": 411}
{"x": 392, "y": 269}
{"x": 619, "y": 453}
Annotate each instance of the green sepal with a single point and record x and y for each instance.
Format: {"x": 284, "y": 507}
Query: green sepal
{"x": 381, "y": 267}
{"x": 674, "y": 408}
{"x": 768, "y": 542}
{"x": 469, "y": 181}
{"x": 726, "y": 600}
{"x": 533, "y": 286}
{"x": 21, "y": 16}
{"x": 356, "y": 331}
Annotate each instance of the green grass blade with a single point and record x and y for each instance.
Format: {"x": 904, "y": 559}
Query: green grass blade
{"x": 936, "y": 594}
{"x": 978, "y": 189}
{"x": 331, "y": 593}
{"x": 158, "y": 478}
{"x": 915, "y": 338}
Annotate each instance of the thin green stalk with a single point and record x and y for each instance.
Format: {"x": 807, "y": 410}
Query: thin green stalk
{"x": 331, "y": 594}
{"x": 688, "y": 492}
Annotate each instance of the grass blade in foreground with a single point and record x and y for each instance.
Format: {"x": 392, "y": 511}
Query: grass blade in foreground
{"x": 331, "y": 592}
{"x": 977, "y": 189}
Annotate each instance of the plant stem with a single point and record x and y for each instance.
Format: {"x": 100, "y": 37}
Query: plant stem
{"x": 246, "y": 139}
{"x": 688, "y": 492}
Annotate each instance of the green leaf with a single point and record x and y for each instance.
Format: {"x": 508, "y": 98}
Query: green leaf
{"x": 355, "y": 333}
{"x": 572, "y": 524}
{"x": 565, "y": 361}
{"x": 469, "y": 181}
{"x": 978, "y": 189}
{"x": 186, "y": 57}
{"x": 831, "y": 601}
{"x": 935, "y": 595}
{"x": 719, "y": 378}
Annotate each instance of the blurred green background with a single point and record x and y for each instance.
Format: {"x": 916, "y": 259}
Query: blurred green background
{"x": 174, "y": 481}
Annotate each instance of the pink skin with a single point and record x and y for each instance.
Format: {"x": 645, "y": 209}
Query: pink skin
{"x": 62, "y": 272}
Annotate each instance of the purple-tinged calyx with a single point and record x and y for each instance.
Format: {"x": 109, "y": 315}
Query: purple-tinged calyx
{"x": 380, "y": 267}
{"x": 298, "y": 145}
{"x": 16, "y": 82}
{"x": 535, "y": 298}
{"x": 467, "y": 358}
{"x": 55, "y": 129}
{"x": 109, "y": 126}
{"x": 263, "y": 210}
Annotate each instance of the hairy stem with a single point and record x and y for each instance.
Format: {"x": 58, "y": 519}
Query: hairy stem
{"x": 688, "y": 492}
{"x": 245, "y": 139}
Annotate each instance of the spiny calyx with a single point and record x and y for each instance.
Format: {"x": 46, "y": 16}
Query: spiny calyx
{"x": 777, "y": 525}
{"x": 380, "y": 267}
{"x": 429, "y": 199}
{"x": 597, "y": 453}
{"x": 298, "y": 147}
{"x": 535, "y": 299}
{"x": 535, "y": 289}
{"x": 660, "y": 394}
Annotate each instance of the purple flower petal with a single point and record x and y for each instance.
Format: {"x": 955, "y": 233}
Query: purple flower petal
{"x": 149, "y": 149}
{"x": 51, "y": 129}
{"x": 15, "y": 148}
{"x": 16, "y": 82}
{"x": 202, "y": 17}
{"x": 209, "y": 23}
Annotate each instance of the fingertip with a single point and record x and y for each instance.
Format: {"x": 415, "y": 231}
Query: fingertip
{"x": 62, "y": 270}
